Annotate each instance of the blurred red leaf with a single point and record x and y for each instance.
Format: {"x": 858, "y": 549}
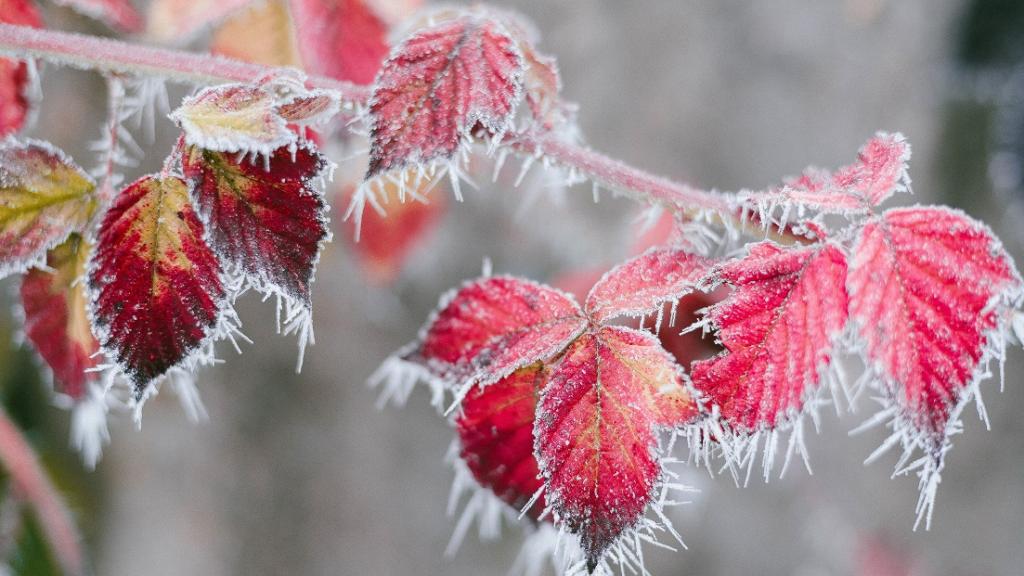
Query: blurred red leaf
{"x": 14, "y": 74}
{"x": 56, "y": 322}
{"x": 387, "y": 240}
{"x": 343, "y": 39}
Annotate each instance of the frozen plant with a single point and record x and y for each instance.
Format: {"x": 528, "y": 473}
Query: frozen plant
{"x": 571, "y": 417}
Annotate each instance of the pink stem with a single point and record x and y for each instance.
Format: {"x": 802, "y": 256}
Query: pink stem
{"x": 106, "y": 55}
{"x": 31, "y": 484}
{"x": 617, "y": 175}
{"x": 122, "y": 57}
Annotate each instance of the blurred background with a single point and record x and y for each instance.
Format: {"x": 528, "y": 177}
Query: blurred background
{"x": 302, "y": 474}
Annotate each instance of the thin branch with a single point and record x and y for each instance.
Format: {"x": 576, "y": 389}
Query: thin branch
{"x": 107, "y": 55}
{"x": 616, "y": 175}
{"x": 31, "y": 484}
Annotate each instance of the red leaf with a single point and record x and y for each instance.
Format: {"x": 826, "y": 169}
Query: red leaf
{"x": 777, "y": 326}
{"x": 495, "y": 430}
{"x": 596, "y": 430}
{"x": 343, "y": 39}
{"x": 267, "y": 221}
{"x": 494, "y": 326}
{"x": 386, "y": 241}
{"x": 155, "y": 284}
{"x": 438, "y": 86}
{"x": 641, "y": 285}
{"x": 56, "y": 321}
{"x": 44, "y": 196}
{"x": 118, "y": 14}
{"x": 924, "y": 285}
{"x": 14, "y": 74}
{"x": 879, "y": 172}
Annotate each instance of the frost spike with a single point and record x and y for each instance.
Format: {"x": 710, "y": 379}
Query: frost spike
{"x": 56, "y": 321}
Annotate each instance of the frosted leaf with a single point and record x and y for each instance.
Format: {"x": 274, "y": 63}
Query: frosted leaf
{"x": 643, "y": 284}
{"x": 233, "y": 118}
{"x": 56, "y": 321}
{"x": 932, "y": 293}
{"x": 495, "y": 430}
{"x": 156, "y": 296}
{"x": 595, "y": 437}
{"x": 118, "y": 14}
{"x": 44, "y": 197}
{"x": 778, "y": 326}
{"x": 879, "y": 172}
{"x": 268, "y": 220}
{"x": 494, "y": 326}
{"x": 438, "y": 86}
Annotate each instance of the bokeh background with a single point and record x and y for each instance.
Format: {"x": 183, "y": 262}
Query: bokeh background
{"x": 302, "y": 474}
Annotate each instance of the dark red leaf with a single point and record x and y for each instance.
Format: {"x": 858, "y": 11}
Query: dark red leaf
{"x": 155, "y": 285}
{"x": 777, "y": 326}
{"x": 266, "y": 221}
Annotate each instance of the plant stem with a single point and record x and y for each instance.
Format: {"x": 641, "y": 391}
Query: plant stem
{"x": 107, "y": 55}
{"x": 32, "y": 485}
